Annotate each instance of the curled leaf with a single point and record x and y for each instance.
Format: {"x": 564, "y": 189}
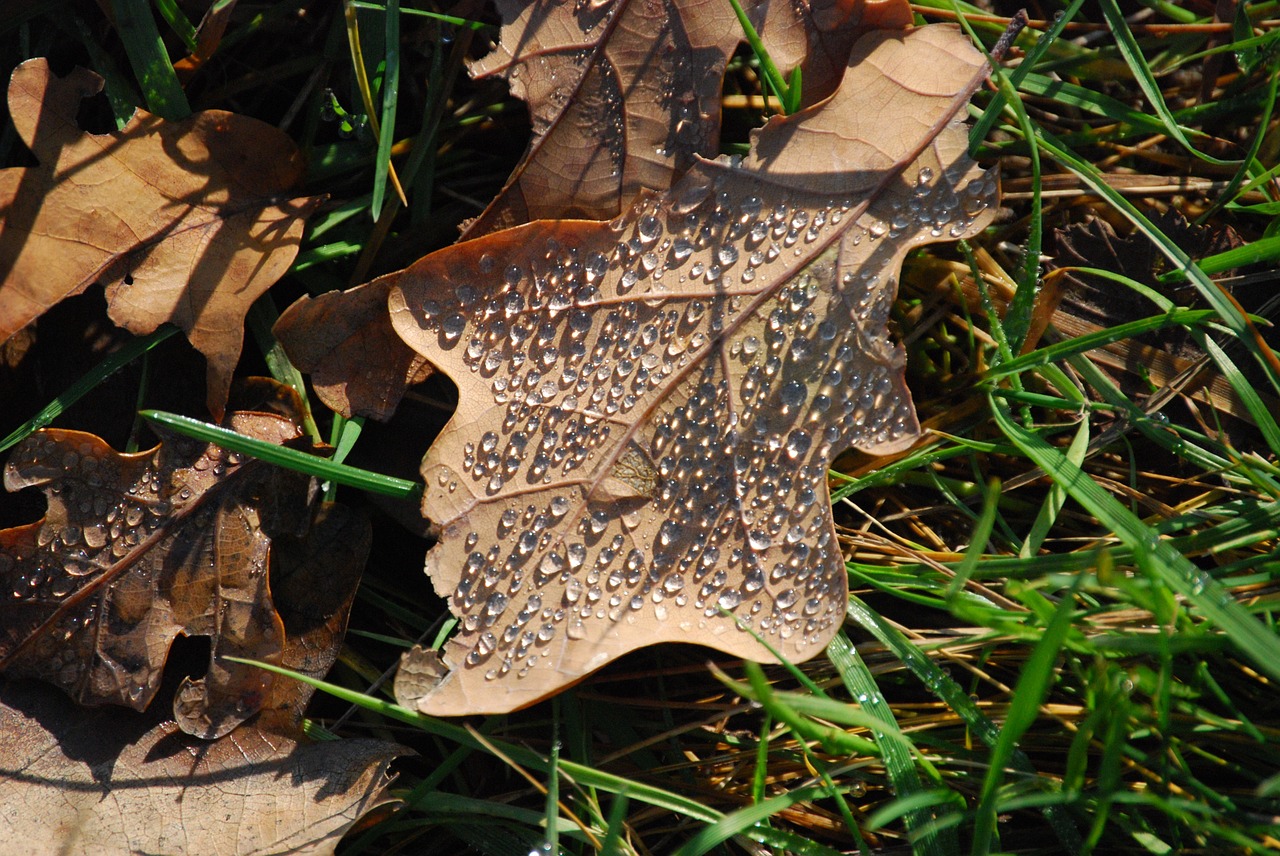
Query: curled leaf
{"x": 184, "y": 222}
{"x": 137, "y": 548}
{"x": 648, "y": 407}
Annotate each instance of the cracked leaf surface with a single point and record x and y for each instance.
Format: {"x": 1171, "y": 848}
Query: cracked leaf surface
{"x": 648, "y": 407}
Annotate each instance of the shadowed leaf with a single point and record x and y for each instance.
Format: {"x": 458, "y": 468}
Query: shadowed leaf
{"x": 101, "y": 782}
{"x": 622, "y": 96}
{"x": 344, "y": 340}
{"x": 648, "y": 407}
{"x": 183, "y": 222}
{"x": 135, "y": 549}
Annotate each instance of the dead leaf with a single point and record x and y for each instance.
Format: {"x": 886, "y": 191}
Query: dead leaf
{"x": 135, "y": 549}
{"x": 74, "y": 781}
{"x": 648, "y": 407}
{"x": 828, "y": 29}
{"x": 184, "y": 222}
{"x": 101, "y": 782}
{"x": 313, "y": 582}
{"x": 623, "y": 96}
{"x": 358, "y": 365}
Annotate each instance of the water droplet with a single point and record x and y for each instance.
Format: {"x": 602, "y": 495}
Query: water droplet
{"x": 649, "y": 228}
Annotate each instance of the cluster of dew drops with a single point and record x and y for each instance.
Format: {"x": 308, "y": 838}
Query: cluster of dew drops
{"x": 105, "y": 522}
{"x": 575, "y": 343}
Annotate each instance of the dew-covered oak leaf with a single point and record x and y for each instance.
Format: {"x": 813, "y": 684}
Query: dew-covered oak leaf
{"x": 624, "y": 95}
{"x": 344, "y": 340}
{"x": 100, "y": 782}
{"x": 184, "y": 222}
{"x": 648, "y": 407}
{"x": 135, "y": 549}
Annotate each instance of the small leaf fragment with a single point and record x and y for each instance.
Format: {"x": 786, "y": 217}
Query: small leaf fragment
{"x": 344, "y": 340}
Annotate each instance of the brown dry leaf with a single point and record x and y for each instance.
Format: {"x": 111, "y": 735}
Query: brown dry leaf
{"x": 184, "y": 222}
{"x": 98, "y": 782}
{"x": 648, "y": 407}
{"x": 624, "y": 95}
{"x": 344, "y": 340}
{"x": 828, "y": 30}
{"x": 137, "y": 548}
{"x": 262, "y": 788}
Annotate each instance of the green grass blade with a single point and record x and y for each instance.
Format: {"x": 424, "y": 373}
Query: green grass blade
{"x": 179, "y": 23}
{"x": 260, "y": 321}
{"x": 579, "y": 773}
{"x": 390, "y": 97}
{"x": 898, "y": 762}
{"x": 150, "y": 60}
{"x": 745, "y": 819}
{"x": 448, "y": 19}
{"x": 788, "y": 94}
{"x": 1262, "y": 250}
{"x": 991, "y": 115}
{"x": 1034, "y": 681}
{"x": 612, "y": 843}
{"x": 1059, "y": 351}
{"x": 1146, "y": 81}
{"x": 954, "y": 696}
{"x": 1228, "y": 312}
{"x": 1254, "y": 640}
{"x": 281, "y": 456}
{"x": 78, "y": 390}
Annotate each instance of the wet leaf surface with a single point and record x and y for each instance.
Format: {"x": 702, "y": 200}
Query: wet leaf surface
{"x": 184, "y": 222}
{"x": 648, "y": 407}
{"x": 136, "y": 549}
{"x": 624, "y": 95}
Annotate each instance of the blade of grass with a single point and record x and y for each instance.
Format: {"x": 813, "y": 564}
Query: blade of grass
{"x": 78, "y": 390}
{"x": 898, "y": 762}
{"x": 366, "y": 92}
{"x": 748, "y": 818}
{"x": 150, "y": 60}
{"x": 281, "y": 456}
{"x": 579, "y": 774}
{"x": 1228, "y": 312}
{"x": 1058, "y": 351}
{"x": 954, "y": 696}
{"x": 1250, "y": 636}
{"x": 390, "y": 97}
{"x": 1132, "y": 54}
{"x": 260, "y": 320}
{"x": 787, "y": 92}
{"x": 612, "y": 843}
{"x": 447, "y": 19}
{"x": 1034, "y": 681}
{"x": 991, "y": 115}
{"x": 179, "y": 23}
